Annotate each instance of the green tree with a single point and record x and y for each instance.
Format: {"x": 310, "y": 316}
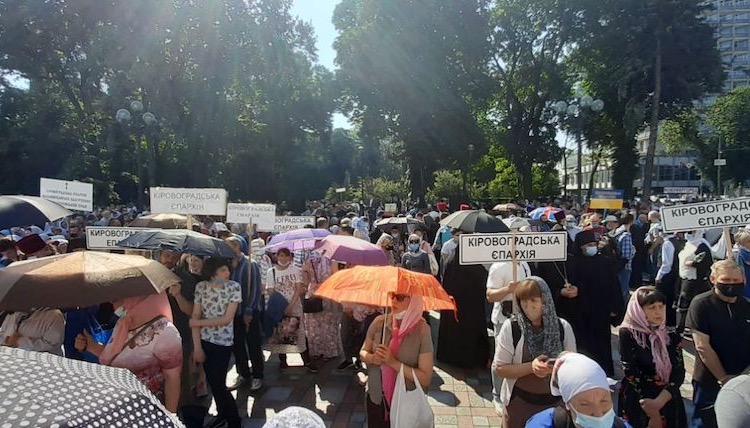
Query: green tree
{"x": 408, "y": 69}
{"x": 529, "y": 41}
{"x": 648, "y": 60}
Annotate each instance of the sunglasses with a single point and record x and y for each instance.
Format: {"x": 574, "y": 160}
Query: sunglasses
{"x": 400, "y": 297}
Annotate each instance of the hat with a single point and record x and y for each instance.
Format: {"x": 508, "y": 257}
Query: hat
{"x": 610, "y": 218}
{"x": 442, "y": 206}
{"x": 585, "y": 237}
{"x": 345, "y": 222}
{"x": 31, "y": 244}
{"x": 570, "y": 218}
{"x": 464, "y": 207}
{"x": 559, "y": 215}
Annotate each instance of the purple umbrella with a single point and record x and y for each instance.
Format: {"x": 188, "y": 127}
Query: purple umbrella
{"x": 351, "y": 250}
{"x": 295, "y": 240}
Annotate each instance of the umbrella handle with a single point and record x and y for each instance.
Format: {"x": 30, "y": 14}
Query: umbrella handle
{"x": 385, "y": 320}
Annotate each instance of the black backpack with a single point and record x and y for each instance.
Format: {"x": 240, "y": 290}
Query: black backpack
{"x": 516, "y": 330}
{"x": 561, "y": 419}
{"x": 609, "y": 247}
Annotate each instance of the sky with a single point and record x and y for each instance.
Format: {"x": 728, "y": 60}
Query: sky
{"x": 320, "y": 13}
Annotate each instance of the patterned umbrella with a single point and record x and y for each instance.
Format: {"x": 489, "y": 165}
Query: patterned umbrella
{"x": 44, "y": 390}
{"x": 548, "y": 211}
{"x": 294, "y": 240}
{"x": 351, "y": 250}
{"x": 19, "y": 210}
{"x": 373, "y": 285}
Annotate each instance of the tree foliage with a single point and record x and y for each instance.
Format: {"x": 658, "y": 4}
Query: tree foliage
{"x": 409, "y": 69}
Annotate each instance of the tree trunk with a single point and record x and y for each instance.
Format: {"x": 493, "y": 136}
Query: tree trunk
{"x": 653, "y": 131}
{"x": 594, "y": 167}
{"x": 525, "y": 179}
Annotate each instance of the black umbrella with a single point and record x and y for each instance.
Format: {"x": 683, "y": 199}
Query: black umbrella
{"x": 20, "y": 210}
{"x": 474, "y": 221}
{"x": 184, "y": 241}
{"x": 43, "y": 390}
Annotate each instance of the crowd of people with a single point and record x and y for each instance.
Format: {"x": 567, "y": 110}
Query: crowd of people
{"x": 551, "y": 322}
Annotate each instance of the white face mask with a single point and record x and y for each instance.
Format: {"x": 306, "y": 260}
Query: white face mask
{"x": 284, "y": 264}
{"x": 591, "y": 251}
{"x": 586, "y": 421}
{"x": 120, "y": 312}
{"x": 400, "y": 315}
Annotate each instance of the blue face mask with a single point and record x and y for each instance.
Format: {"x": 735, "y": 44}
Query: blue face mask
{"x": 591, "y": 251}
{"x": 414, "y": 248}
{"x": 586, "y": 421}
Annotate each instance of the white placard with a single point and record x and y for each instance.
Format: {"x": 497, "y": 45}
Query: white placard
{"x": 484, "y": 248}
{"x": 263, "y": 215}
{"x": 286, "y": 223}
{"x": 106, "y": 238}
{"x": 73, "y": 195}
{"x": 681, "y": 190}
{"x": 391, "y": 208}
{"x": 724, "y": 213}
{"x": 170, "y": 200}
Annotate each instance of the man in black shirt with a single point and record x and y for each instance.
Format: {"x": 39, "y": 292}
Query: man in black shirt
{"x": 720, "y": 324}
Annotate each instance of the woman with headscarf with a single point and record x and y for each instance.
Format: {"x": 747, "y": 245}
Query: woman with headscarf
{"x": 407, "y": 343}
{"x": 695, "y": 267}
{"x": 525, "y": 352}
{"x": 321, "y": 321}
{"x": 597, "y": 303}
{"x": 462, "y": 339}
{"x": 145, "y": 342}
{"x": 585, "y": 393}
{"x": 652, "y": 362}
{"x": 386, "y": 243}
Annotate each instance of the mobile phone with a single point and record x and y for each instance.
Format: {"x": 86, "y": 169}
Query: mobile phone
{"x": 551, "y": 361}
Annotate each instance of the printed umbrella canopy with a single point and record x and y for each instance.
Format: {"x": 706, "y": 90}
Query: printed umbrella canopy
{"x": 548, "y": 211}
{"x": 44, "y": 390}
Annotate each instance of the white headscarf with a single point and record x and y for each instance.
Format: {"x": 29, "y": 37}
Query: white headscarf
{"x": 575, "y": 373}
{"x": 295, "y": 417}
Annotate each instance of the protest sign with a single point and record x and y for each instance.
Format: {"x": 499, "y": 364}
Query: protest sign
{"x": 106, "y": 238}
{"x": 262, "y": 215}
{"x": 702, "y": 215}
{"x": 287, "y": 223}
{"x": 484, "y": 248}
{"x": 606, "y": 199}
{"x": 188, "y": 201}
{"x": 73, "y": 195}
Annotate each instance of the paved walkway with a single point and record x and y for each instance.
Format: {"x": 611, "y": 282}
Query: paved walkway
{"x": 458, "y": 397}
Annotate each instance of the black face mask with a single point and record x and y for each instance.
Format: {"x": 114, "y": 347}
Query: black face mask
{"x": 731, "y": 290}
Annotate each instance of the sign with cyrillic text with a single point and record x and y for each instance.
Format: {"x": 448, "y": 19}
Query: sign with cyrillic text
{"x": 681, "y": 190}
{"x": 607, "y": 199}
{"x": 726, "y": 213}
{"x": 391, "y": 208}
{"x": 168, "y": 200}
{"x": 287, "y": 223}
{"x": 73, "y": 195}
{"x": 106, "y": 238}
{"x": 262, "y": 215}
{"x": 478, "y": 248}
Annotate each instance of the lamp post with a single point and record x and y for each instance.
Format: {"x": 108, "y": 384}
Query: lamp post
{"x": 470, "y": 149}
{"x": 123, "y": 117}
{"x": 577, "y": 112}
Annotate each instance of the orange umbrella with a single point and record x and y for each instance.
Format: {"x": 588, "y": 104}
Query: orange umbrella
{"x": 373, "y": 285}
